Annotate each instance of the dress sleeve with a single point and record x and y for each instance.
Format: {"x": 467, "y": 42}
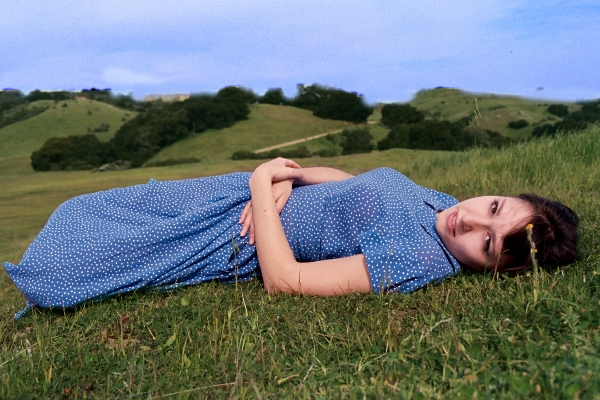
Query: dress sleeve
{"x": 403, "y": 264}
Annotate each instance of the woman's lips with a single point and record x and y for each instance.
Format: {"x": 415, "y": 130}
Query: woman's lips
{"x": 451, "y": 222}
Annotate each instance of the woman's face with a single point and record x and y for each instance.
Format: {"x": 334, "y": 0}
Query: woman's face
{"x": 473, "y": 230}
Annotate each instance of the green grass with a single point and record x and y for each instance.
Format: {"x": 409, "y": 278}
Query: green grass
{"x": 471, "y": 335}
{"x": 22, "y": 138}
{"x": 497, "y": 111}
{"x": 267, "y": 125}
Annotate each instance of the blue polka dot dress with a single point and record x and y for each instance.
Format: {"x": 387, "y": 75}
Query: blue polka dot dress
{"x": 173, "y": 233}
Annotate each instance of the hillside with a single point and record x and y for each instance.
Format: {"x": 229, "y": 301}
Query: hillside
{"x": 22, "y": 138}
{"x": 496, "y": 111}
{"x": 267, "y": 125}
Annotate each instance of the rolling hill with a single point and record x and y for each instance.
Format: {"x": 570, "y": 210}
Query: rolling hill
{"x": 496, "y": 111}
{"x": 267, "y": 125}
{"x": 64, "y": 118}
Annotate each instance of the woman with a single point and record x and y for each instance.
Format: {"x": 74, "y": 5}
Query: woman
{"x": 336, "y": 234}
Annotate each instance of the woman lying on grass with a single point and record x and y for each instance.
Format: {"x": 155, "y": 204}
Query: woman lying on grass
{"x": 332, "y": 234}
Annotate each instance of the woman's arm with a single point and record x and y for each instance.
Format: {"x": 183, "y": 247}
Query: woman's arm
{"x": 314, "y": 175}
{"x": 281, "y": 272}
{"x": 283, "y": 189}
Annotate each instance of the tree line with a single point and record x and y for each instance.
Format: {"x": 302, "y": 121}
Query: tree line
{"x": 145, "y": 135}
{"x": 160, "y": 124}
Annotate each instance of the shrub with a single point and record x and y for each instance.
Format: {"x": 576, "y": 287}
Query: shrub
{"x": 72, "y": 153}
{"x": 331, "y": 103}
{"x": 561, "y": 126}
{"x": 274, "y": 96}
{"x": 243, "y": 155}
{"x": 172, "y": 161}
{"x": 147, "y": 133}
{"x": 343, "y": 106}
{"x": 520, "y": 124}
{"x": 326, "y": 153}
{"x": 357, "y": 141}
{"x": 560, "y": 110}
{"x": 428, "y": 135}
{"x": 396, "y": 114}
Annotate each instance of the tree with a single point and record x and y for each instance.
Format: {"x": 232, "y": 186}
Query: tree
{"x": 274, "y": 96}
{"x": 142, "y": 137}
{"x": 427, "y": 135}
{"x": 72, "y": 152}
{"x": 560, "y": 110}
{"x": 520, "y": 124}
{"x": 395, "y": 114}
{"x": 399, "y": 136}
{"x": 331, "y": 103}
{"x": 343, "y": 106}
{"x": 357, "y": 141}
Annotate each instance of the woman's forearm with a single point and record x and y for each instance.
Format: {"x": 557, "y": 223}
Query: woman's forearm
{"x": 315, "y": 175}
{"x": 273, "y": 250}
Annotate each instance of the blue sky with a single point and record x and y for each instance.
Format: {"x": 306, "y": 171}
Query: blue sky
{"x": 384, "y": 49}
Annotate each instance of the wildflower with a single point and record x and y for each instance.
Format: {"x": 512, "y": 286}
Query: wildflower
{"x": 529, "y": 227}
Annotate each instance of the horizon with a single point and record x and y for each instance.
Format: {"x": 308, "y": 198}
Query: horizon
{"x": 157, "y": 96}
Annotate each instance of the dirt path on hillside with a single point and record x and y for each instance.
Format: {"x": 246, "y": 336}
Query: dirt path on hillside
{"x": 306, "y": 139}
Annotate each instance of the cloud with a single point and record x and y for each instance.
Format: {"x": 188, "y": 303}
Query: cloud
{"x": 379, "y": 47}
{"x": 127, "y": 77}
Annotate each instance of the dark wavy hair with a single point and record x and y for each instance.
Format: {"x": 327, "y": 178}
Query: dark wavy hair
{"x": 554, "y": 233}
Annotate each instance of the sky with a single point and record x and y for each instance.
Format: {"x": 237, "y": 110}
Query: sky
{"x": 386, "y": 50}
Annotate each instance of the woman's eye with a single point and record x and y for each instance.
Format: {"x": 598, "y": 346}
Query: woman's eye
{"x": 487, "y": 243}
{"x": 494, "y": 207}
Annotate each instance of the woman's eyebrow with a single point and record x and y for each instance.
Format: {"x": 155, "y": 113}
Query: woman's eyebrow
{"x": 500, "y": 206}
{"x": 497, "y": 242}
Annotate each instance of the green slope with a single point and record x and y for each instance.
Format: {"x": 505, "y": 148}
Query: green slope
{"x": 496, "y": 111}
{"x": 267, "y": 125}
{"x": 22, "y": 138}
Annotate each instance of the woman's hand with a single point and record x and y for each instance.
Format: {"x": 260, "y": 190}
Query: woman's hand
{"x": 281, "y": 193}
{"x": 282, "y": 173}
{"x": 278, "y": 169}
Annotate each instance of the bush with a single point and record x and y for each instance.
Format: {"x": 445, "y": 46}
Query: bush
{"x": 274, "y": 96}
{"x": 172, "y": 161}
{"x": 244, "y": 155}
{"x": 560, "y": 110}
{"x": 10, "y": 99}
{"x": 399, "y": 136}
{"x": 520, "y": 124}
{"x": 147, "y": 133}
{"x": 326, "y": 153}
{"x": 300, "y": 152}
{"x": 561, "y": 126}
{"x": 343, "y": 106}
{"x": 357, "y": 141}
{"x": 72, "y": 153}
{"x": 330, "y": 103}
{"x": 396, "y": 114}
{"x": 18, "y": 114}
{"x": 427, "y": 135}
{"x": 223, "y": 110}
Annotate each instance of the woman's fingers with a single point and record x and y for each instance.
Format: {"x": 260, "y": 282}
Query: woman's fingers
{"x": 291, "y": 163}
{"x": 247, "y": 207}
{"x": 246, "y": 219}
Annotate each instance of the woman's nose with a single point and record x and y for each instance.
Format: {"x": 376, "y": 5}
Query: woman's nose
{"x": 471, "y": 222}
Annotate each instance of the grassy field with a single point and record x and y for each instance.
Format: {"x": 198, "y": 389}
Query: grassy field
{"x": 474, "y": 335}
{"x": 497, "y": 111}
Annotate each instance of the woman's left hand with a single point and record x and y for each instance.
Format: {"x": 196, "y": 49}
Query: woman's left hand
{"x": 281, "y": 193}
{"x": 282, "y": 173}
